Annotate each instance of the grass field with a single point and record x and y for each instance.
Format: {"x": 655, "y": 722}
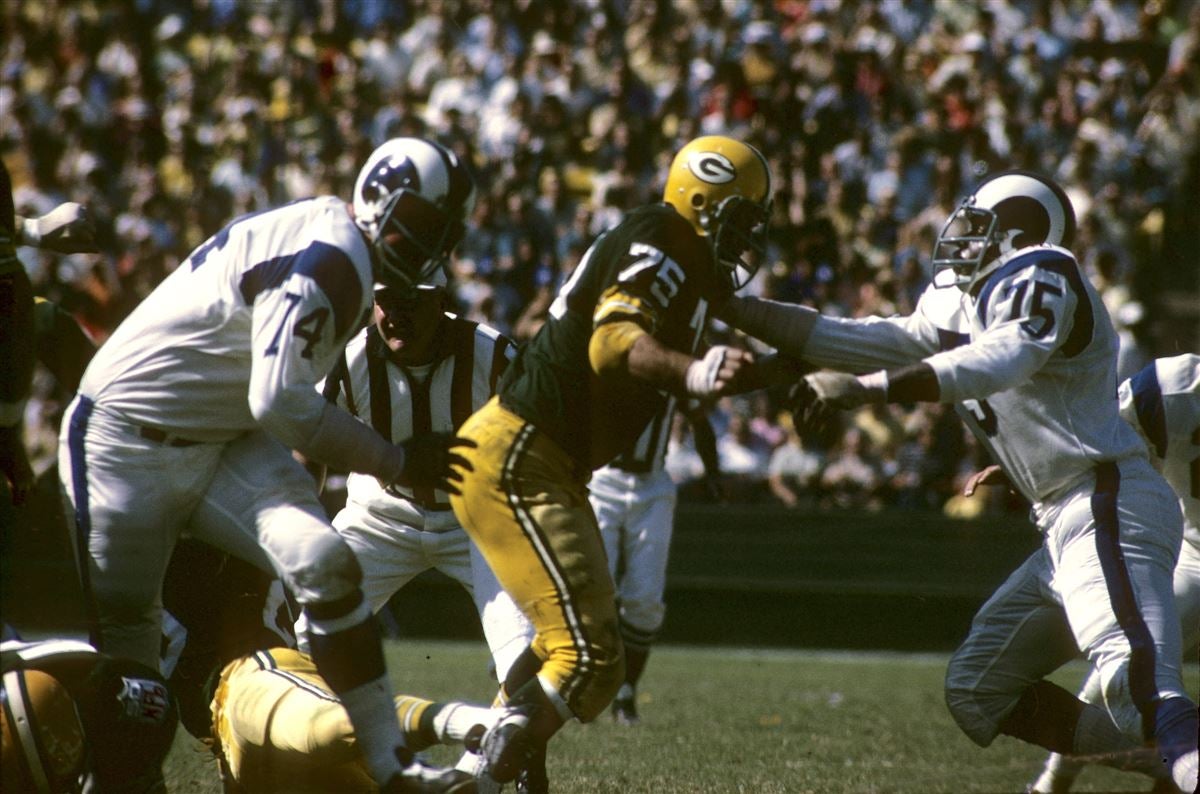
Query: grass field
{"x": 716, "y": 721}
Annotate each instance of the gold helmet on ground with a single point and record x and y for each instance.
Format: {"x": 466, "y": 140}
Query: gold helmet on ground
{"x": 723, "y": 188}
{"x": 43, "y": 748}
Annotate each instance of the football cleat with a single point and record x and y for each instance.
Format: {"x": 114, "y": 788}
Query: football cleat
{"x": 418, "y": 777}
{"x": 624, "y": 707}
{"x": 508, "y": 745}
{"x": 533, "y": 778}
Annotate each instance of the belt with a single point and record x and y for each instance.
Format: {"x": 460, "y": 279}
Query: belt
{"x": 163, "y": 437}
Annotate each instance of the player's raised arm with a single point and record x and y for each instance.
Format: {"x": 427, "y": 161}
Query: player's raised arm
{"x": 66, "y": 229}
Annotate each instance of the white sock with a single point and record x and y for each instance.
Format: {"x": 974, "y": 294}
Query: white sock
{"x": 1058, "y": 776}
{"x": 454, "y": 721}
{"x": 373, "y": 715}
{"x": 474, "y": 765}
{"x": 1186, "y": 771}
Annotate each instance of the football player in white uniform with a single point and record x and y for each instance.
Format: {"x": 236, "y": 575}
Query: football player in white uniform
{"x": 416, "y": 369}
{"x": 634, "y": 500}
{"x": 1025, "y": 349}
{"x": 186, "y": 417}
{"x": 1162, "y": 402}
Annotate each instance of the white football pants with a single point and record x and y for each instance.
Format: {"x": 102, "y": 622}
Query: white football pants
{"x": 391, "y": 554}
{"x": 132, "y": 498}
{"x": 1102, "y": 582}
{"x": 636, "y": 513}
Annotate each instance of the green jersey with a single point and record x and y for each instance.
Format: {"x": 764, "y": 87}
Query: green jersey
{"x": 651, "y": 269}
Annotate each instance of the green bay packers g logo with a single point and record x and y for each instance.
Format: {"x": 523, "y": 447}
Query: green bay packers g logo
{"x": 710, "y": 167}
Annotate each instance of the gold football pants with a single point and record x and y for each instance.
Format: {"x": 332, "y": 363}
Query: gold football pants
{"x": 283, "y": 730}
{"x": 527, "y": 510}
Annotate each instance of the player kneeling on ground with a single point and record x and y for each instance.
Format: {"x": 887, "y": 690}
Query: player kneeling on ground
{"x": 271, "y": 719}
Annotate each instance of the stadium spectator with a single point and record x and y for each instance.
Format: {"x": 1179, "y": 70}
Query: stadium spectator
{"x": 793, "y": 470}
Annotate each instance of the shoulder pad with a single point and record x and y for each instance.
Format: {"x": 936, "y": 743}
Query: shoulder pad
{"x": 1032, "y": 256}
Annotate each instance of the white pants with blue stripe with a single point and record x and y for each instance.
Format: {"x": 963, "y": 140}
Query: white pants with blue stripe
{"x": 1101, "y": 583}
{"x": 132, "y": 498}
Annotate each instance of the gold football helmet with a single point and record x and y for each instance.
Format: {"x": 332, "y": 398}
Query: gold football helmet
{"x": 723, "y": 188}
{"x": 43, "y": 746}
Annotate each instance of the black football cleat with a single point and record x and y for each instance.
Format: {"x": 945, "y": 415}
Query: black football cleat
{"x": 533, "y": 778}
{"x": 624, "y": 707}
{"x": 508, "y": 745}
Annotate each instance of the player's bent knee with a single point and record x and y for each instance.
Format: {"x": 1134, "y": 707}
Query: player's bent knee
{"x": 1115, "y": 689}
{"x": 970, "y": 717}
{"x": 977, "y": 715}
{"x": 327, "y": 572}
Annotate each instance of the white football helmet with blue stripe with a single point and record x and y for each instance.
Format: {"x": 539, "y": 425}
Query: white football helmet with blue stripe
{"x": 411, "y": 200}
{"x": 1007, "y": 212}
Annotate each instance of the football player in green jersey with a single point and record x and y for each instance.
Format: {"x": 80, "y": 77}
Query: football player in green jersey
{"x": 622, "y": 335}
{"x": 66, "y": 229}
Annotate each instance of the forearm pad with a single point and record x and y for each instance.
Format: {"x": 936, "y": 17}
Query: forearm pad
{"x": 784, "y": 326}
{"x": 344, "y": 443}
{"x": 914, "y": 383}
{"x": 609, "y": 347}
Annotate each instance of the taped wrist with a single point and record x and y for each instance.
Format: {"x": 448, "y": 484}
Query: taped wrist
{"x": 28, "y": 232}
{"x": 784, "y": 326}
{"x": 701, "y": 377}
{"x": 343, "y": 442}
{"x": 876, "y": 382}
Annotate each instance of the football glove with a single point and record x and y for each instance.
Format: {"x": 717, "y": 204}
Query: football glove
{"x": 844, "y": 391}
{"x": 814, "y": 419}
{"x": 431, "y": 461}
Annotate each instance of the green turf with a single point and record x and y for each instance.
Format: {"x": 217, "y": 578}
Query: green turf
{"x": 745, "y": 721}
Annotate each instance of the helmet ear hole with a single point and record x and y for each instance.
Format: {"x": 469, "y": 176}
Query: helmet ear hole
{"x": 697, "y": 200}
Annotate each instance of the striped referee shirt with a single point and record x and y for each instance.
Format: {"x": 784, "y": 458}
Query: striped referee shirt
{"x": 400, "y": 402}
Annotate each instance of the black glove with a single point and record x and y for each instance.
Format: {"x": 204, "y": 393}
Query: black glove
{"x": 814, "y": 419}
{"x": 430, "y": 461}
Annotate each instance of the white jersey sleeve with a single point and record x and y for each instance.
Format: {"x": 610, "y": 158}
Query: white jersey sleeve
{"x": 872, "y": 343}
{"x": 1162, "y": 402}
{"x": 294, "y": 342}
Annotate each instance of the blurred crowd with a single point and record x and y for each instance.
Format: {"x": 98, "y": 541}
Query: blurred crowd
{"x": 169, "y": 117}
